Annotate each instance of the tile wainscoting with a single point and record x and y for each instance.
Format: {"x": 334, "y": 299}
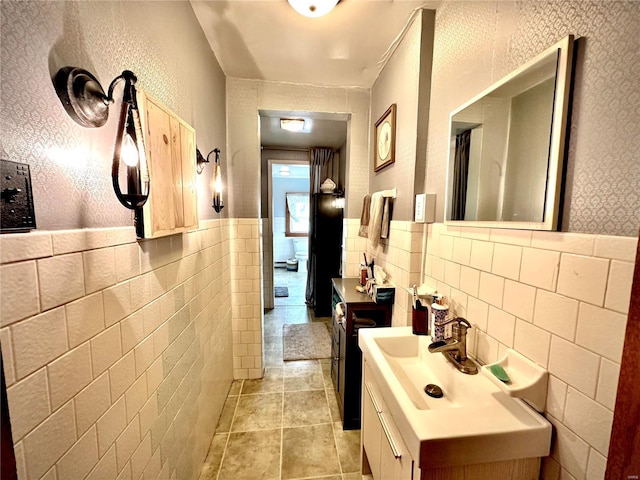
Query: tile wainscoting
{"x": 560, "y": 299}
{"x": 119, "y": 354}
{"x": 246, "y": 284}
{"x": 400, "y": 256}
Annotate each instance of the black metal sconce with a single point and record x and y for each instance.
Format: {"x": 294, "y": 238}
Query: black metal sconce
{"x": 86, "y": 103}
{"x": 201, "y": 161}
{"x": 218, "y": 204}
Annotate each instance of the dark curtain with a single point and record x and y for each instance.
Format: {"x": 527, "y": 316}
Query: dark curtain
{"x": 322, "y": 165}
{"x": 460, "y": 175}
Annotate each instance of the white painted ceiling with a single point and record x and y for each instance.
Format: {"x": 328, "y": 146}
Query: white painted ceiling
{"x": 268, "y": 40}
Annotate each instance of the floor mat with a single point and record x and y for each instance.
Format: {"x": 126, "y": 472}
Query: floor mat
{"x": 281, "y": 291}
{"x": 306, "y": 341}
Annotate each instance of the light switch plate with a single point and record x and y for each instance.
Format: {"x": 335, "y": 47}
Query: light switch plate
{"x": 425, "y": 208}
{"x": 16, "y": 202}
{"x": 420, "y": 205}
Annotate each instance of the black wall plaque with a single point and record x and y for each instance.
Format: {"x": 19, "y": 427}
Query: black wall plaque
{"x": 16, "y": 199}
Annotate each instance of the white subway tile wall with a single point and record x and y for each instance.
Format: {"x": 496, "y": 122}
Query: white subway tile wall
{"x": 20, "y": 298}
{"x": 400, "y": 256}
{"x": 119, "y": 354}
{"x": 246, "y": 273}
{"x": 560, "y": 299}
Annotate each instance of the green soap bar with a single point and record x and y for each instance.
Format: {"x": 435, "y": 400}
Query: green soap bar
{"x": 499, "y": 372}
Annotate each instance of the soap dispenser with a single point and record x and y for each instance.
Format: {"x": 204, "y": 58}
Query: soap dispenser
{"x": 439, "y": 312}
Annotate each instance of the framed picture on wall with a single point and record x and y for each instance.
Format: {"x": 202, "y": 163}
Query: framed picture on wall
{"x": 385, "y": 139}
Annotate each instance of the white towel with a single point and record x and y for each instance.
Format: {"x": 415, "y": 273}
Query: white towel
{"x": 375, "y": 219}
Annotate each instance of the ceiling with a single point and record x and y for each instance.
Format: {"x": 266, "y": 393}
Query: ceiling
{"x": 295, "y": 171}
{"x": 268, "y": 40}
{"x": 326, "y": 130}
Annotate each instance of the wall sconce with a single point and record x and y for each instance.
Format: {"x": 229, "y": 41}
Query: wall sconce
{"x": 218, "y": 204}
{"x": 201, "y": 161}
{"x": 86, "y": 103}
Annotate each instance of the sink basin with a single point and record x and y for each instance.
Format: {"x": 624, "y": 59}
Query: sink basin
{"x": 415, "y": 367}
{"x": 473, "y": 422}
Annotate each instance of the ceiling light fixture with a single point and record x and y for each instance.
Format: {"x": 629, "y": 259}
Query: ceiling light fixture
{"x": 313, "y": 8}
{"x": 284, "y": 171}
{"x": 292, "y": 124}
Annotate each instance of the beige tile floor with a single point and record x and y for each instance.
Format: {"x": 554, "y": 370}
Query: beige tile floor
{"x": 287, "y": 424}
{"x": 295, "y": 281}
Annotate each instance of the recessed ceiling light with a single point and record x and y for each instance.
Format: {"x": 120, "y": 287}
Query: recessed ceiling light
{"x": 313, "y": 8}
{"x": 295, "y": 124}
{"x": 284, "y": 171}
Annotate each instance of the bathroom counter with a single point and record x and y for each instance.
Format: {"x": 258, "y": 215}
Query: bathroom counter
{"x": 346, "y": 288}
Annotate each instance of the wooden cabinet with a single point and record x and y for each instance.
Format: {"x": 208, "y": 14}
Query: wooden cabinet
{"x": 385, "y": 455}
{"x": 326, "y": 250}
{"x": 171, "y": 154}
{"x": 346, "y": 357}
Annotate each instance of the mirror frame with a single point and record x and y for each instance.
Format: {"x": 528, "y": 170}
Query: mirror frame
{"x": 564, "y": 48}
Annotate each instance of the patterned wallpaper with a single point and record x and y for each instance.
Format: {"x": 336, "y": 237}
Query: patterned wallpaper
{"x": 477, "y": 43}
{"x": 70, "y": 164}
{"x": 398, "y": 83}
{"x": 246, "y": 97}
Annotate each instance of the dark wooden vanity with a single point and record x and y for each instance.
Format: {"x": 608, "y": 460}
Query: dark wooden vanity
{"x": 360, "y": 311}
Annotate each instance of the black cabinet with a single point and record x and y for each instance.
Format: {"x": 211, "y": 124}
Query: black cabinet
{"x": 360, "y": 311}
{"x": 326, "y": 250}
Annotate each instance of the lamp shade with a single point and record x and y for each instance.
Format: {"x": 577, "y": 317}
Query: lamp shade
{"x": 313, "y": 8}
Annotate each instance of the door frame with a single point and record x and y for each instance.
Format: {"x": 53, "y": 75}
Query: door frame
{"x": 623, "y": 460}
{"x": 269, "y": 232}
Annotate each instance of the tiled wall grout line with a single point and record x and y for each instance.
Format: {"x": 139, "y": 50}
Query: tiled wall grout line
{"x": 572, "y": 330}
{"x": 92, "y": 335}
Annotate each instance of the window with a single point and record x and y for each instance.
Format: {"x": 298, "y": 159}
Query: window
{"x": 297, "y": 223}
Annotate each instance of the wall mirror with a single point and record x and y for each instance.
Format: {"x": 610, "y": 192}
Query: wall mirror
{"x": 507, "y": 147}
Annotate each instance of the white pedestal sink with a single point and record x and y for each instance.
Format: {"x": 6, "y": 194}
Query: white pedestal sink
{"x": 473, "y": 423}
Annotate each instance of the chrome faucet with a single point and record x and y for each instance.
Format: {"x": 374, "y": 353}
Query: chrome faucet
{"x": 455, "y": 348}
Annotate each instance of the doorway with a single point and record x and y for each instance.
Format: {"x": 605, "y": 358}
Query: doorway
{"x": 289, "y": 219}
{"x": 282, "y": 147}
{"x": 285, "y": 164}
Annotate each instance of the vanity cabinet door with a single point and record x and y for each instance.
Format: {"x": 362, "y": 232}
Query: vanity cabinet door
{"x": 189, "y": 187}
{"x": 393, "y": 468}
{"x": 170, "y": 152}
{"x": 371, "y": 434}
{"x": 160, "y": 146}
{"x": 385, "y": 450}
